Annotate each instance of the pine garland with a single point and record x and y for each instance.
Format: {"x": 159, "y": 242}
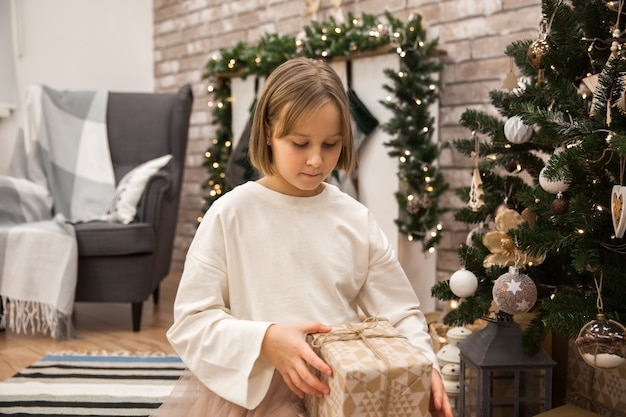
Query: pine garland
{"x": 414, "y": 88}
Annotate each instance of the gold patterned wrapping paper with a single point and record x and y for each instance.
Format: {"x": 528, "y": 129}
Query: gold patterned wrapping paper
{"x": 377, "y": 372}
{"x": 600, "y": 391}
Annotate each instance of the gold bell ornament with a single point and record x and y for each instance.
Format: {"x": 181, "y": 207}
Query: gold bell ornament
{"x": 538, "y": 50}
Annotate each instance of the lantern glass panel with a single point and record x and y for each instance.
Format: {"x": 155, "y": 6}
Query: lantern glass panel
{"x": 469, "y": 408}
{"x": 502, "y": 410}
{"x": 502, "y": 384}
{"x": 532, "y": 383}
{"x": 531, "y": 409}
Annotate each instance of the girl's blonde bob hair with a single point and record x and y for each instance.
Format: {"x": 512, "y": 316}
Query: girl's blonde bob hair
{"x": 291, "y": 93}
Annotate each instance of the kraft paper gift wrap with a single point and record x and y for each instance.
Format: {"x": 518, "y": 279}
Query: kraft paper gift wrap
{"x": 377, "y": 372}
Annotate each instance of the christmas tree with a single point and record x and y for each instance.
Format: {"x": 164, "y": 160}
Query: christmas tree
{"x": 547, "y": 193}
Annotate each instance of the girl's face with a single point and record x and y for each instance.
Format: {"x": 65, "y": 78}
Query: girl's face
{"x": 303, "y": 158}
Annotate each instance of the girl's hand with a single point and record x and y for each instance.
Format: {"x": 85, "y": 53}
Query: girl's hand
{"x": 286, "y": 348}
{"x": 439, "y": 402}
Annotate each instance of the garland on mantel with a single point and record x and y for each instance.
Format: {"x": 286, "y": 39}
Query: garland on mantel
{"x": 412, "y": 89}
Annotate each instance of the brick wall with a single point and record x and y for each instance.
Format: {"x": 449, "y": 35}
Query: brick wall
{"x": 473, "y": 33}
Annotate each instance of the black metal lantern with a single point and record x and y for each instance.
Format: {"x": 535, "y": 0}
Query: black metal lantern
{"x": 498, "y": 379}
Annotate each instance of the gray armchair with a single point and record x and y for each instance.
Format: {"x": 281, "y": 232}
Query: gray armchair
{"x": 127, "y": 262}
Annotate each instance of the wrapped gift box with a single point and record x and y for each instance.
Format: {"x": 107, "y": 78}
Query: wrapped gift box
{"x": 376, "y": 372}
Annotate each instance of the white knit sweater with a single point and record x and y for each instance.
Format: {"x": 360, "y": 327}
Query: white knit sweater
{"x": 261, "y": 257}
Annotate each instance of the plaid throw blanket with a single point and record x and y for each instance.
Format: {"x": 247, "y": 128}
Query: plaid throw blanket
{"x": 61, "y": 173}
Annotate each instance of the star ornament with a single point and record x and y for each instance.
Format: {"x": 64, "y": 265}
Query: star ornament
{"x": 503, "y": 250}
{"x": 514, "y": 286}
{"x": 514, "y": 292}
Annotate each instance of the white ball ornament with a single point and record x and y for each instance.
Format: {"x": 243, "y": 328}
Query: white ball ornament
{"x": 516, "y": 131}
{"x": 514, "y": 292}
{"x": 550, "y": 185}
{"x": 463, "y": 283}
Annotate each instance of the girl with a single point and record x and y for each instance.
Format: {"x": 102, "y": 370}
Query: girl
{"x": 284, "y": 256}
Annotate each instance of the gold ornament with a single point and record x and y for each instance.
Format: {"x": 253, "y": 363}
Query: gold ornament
{"x": 538, "y": 50}
{"x": 510, "y": 81}
{"x": 504, "y": 251}
{"x": 476, "y": 194}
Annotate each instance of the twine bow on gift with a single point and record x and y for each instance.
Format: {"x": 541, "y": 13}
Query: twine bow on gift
{"x": 357, "y": 331}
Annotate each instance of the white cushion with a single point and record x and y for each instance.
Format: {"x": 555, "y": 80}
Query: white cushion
{"x": 128, "y": 192}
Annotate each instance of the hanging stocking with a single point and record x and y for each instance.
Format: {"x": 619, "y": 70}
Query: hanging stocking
{"x": 238, "y": 168}
{"x": 363, "y": 123}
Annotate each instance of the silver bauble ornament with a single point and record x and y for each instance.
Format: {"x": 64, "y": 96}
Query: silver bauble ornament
{"x": 514, "y": 292}
{"x": 516, "y": 131}
{"x": 481, "y": 229}
{"x": 463, "y": 283}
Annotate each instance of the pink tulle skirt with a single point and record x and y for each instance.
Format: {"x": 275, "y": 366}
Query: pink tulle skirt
{"x": 190, "y": 398}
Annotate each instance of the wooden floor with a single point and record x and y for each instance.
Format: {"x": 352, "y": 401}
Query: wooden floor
{"x": 100, "y": 327}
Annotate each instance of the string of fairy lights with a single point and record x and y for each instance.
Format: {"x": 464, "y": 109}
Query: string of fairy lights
{"x": 412, "y": 89}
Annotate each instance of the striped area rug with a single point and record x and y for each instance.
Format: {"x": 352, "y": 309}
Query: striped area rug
{"x": 90, "y": 385}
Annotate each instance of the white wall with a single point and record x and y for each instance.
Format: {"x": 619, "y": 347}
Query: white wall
{"x": 78, "y": 44}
